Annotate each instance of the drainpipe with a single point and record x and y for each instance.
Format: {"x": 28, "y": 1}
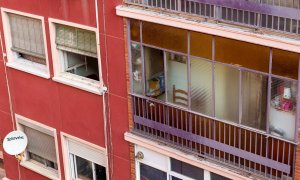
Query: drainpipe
{"x": 105, "y": 97}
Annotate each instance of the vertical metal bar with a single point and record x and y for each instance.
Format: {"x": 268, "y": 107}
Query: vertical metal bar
{"x": 261, "y": 144}
{"x": 250, "y": 150}
{"x": 240, "y": 96}
{"x": 245, "y": 146}
{"x": 277, "y": 158}
{"x": 166, "y": 76}
{"x": 297, "y": 105}
{"x": 213, "y": 76}
{"x": 234, "y": 140}
{"x": 272, "y": 153}
{"x": 189, "y": 71}
{"x": 269, "y": 91}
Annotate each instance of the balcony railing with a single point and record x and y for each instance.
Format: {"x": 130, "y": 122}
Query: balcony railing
{"x": 275, "y": 15}
{"x": 244, "y": 149}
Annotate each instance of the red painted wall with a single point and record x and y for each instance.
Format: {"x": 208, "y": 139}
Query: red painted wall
{"x": 65, "y": 108}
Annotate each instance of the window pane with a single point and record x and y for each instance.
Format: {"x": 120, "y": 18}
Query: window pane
{"x": 201, "y": 86}
{"x": 84, "y": 169}
{"x": 150, "y": 173}
{"x": 100, "y": 172}
{"x": 165, "y": 37}
{"x": 285, "y": 63}
{"x": 81, "y": 65}
{"x": 177, "y": 79}
{"x": 135, "y": 30}
{"x": 242, "y": 54}
{"x": 201, "y": 45}
{"x": 154, "y": 62}
{"x": 227, "y": 93}
{"x": 214, "y": 176}
{"x": 187, "y": 169}
{"x": 283, "y": 108}
{"x": 254, "y": 102}
{"x": 136, "y": 61}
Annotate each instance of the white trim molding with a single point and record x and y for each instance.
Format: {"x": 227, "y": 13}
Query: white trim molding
{"x": 96, "y": 87}
{"x": 65, "y": 138}
{"x": 187, "y": 158}
{"x": 240, "y": 34}
{"x": 23, "y": 121}
{"x": 20, "y": 63}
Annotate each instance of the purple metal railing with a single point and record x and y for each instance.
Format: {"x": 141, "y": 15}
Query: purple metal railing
{"x": 244, "y": 149}
{"x": 276, "y": 15}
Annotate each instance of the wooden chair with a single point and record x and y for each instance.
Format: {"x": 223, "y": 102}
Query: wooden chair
{"x": 180, "y": 97}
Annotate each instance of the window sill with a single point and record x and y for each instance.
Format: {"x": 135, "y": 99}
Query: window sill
{"x": 40, "y": 170}
{"x": 29, "y": 67}
{"x": 80, "y": 83}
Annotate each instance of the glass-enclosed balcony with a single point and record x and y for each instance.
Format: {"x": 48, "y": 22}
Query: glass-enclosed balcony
{"x": 275, "y": 15}
{"x": 221, "y": 99}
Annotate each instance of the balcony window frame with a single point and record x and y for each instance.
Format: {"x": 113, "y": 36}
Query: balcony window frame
{"x": 69, "y": 79}
{"x": 19, "y": 63}
{"x": 213, "y": 61}
{"x": 33, "y": 165}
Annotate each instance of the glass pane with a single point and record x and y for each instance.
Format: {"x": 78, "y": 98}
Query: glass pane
{"x": 177, "y": 79}
{"x": 165, "y": 37}
{"x": 175, "y": 178}
{"x": 283, "y": 108}
{"x": 155, "y": 80}
{"x": 135, "y": 30}
{"x": 81, "y": 65}
{"x": 242, "y": 54}
{"x": 84, "y": 169}
{"x": 187, "y": 169}
{"x": 201, "y": 86}
{"x": 201, "y": 45}
{"x": 227, "y": 93}
{"x": 100, "y": 172}
{"x": 150, "y": 173}
{"x": 136, "y": 61}
{"x": 214, "y": 176}
{"x": 254, "y": 102}
{"x": 285, "y": 63}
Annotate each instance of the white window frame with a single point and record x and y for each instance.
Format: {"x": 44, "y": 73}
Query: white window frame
{"x": 17, "y": 62}
{"x": 36, "y": 167}
{"x": 65, "y": 138}
{"x": 74, "y": 80}
{"x": 165, "y": 167}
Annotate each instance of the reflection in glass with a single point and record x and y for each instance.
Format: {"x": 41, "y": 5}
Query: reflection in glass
{"x": 100, "y": 172}
{"x": 254, "y": 56}
{"x": 187, "y": 169}
{"x": 201, "y": 86}
{"x": 165, "y": 37}
{"x": 254, "y": 100}
{"x": 154, "y": 66}
{"x": 227, "y": 93}
{"x": 150, "y": 173}
{"x": 136, "y": 61}
{"x": 177, "y": 79}
{"x": 285, "y": 63}
{"x": 283, "y": 108}
{"x": 135, "y": 30}
{"x": 84, "y": 169}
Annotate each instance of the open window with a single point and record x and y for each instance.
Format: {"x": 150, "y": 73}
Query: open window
{"x": 77, "y": 51}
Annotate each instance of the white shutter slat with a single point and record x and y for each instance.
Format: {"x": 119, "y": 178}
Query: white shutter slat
{"x": 27, "y": 34}
{"x": 40, "y": 144}
{"x": 76, "y": 40}
{"x": 86, "y": 152}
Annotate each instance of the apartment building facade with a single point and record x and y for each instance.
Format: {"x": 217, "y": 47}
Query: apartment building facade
{"x": 214, "y": 88}
{"x": 63, "y": 83}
